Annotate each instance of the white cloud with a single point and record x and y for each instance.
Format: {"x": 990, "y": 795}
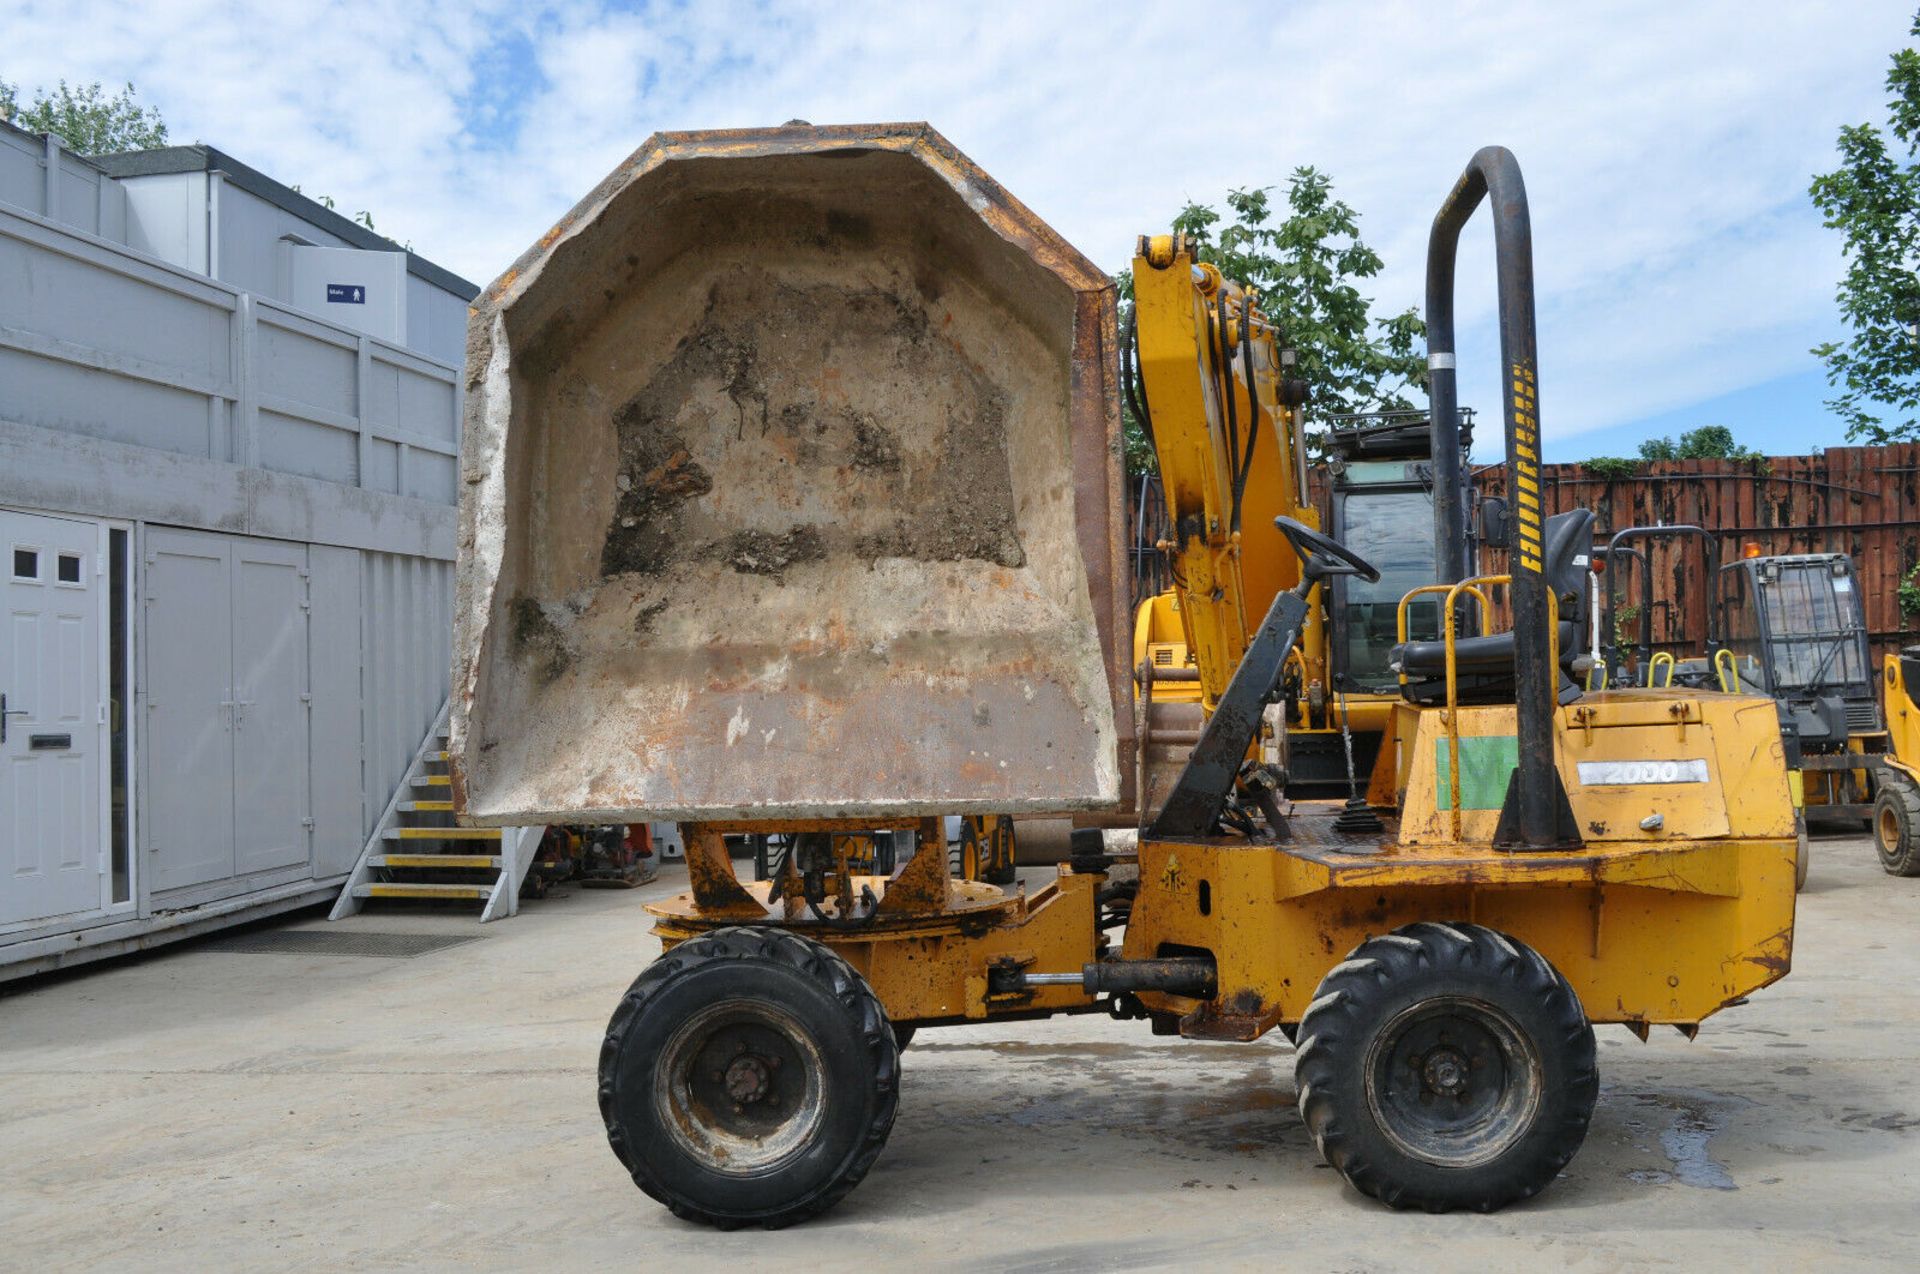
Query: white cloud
{"x": 1667, "y": 147}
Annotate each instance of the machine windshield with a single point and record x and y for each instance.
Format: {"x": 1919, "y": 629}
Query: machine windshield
{"x": 1809, "y": 620}
{"x": 1394, "y": 531}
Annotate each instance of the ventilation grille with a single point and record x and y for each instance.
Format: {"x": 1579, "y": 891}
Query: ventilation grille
{"x": 1863, "y": 716}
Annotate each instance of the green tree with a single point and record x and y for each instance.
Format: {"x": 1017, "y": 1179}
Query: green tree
{"x": 92, "y": 123}
{"x": 1305, "y": 267}
{"x": 1708, "y": 442}
{"x": 87, "y": 118}
{"x": 1873, "y": 199}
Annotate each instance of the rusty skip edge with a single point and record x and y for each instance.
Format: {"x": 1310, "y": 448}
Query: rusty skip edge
{"x": 1009, "y": 218}
{"x": 1094, "y": 420}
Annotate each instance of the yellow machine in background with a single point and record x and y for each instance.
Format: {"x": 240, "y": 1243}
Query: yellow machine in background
{"x": 1896, "y": 806}
{"x": 984, "y": 849}
{"x": 1232, "y": 458}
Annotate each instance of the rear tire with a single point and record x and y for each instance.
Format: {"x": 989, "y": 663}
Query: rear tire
{"x": 748, "y": 1077}
{"x": 1001, "y": 868}
{"x": 1446, "y": 1066}
{"x": 1896, "y": 823}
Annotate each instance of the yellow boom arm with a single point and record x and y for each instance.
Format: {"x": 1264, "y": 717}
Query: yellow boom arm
{"x": 1229, "y": 449}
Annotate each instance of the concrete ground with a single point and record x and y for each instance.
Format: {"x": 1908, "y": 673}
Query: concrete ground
{"x": 200, "y": 1109}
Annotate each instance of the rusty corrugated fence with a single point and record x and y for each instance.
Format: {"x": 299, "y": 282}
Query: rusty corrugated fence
{"x": 1861, "y": 501}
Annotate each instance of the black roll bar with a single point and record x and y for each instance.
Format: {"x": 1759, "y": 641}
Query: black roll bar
{"x": 1494, "y": 172}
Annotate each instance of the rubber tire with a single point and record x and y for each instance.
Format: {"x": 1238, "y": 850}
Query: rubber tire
{"x": 1388, "y": 974}
{"x": 830, "y": 1000}
{"x": 957, "y": 852}
{"x": 1898, "y": 803}
{"x": 1009, "y": 871}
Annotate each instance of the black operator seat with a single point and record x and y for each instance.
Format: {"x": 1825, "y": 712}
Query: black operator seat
{"x": 1484, "y": 665}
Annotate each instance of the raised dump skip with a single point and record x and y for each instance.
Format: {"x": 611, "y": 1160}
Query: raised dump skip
{"x": 792, "y": 489}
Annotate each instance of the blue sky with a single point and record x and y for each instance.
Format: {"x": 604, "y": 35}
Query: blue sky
{"x": 1683, "y": 275}
{"x": 1781, "y": 417}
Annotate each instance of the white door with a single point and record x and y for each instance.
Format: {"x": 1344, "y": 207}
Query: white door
{"x": 52, "y": 676}
{"x": 271, "y": 703}
{"x": 190, "y": 707}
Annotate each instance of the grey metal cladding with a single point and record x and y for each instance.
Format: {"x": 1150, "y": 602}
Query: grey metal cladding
{"x": 189, "y": 159}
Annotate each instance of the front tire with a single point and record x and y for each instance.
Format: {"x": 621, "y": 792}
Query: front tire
{"x": 1896, "y": 823}
{"x": 748, "y": 1077}
{"x": 1446, "y": 1066}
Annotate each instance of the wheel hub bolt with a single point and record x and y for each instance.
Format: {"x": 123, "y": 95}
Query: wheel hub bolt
{"x": 1445, "y": 1072}
{"x": 747, "y": 1079}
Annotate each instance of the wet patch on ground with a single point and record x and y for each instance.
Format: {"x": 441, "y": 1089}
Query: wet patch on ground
{"x": 1693, "y": 1119}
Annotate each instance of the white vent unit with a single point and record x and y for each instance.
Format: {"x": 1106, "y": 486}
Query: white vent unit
{"x": 356, "y": 288}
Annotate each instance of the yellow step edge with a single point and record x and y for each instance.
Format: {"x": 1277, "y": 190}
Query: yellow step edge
{"x": 397, "y": 890}
{"x": 467, "y": 861}
{"x": 437, "y": 756}
{"x": 444, "y": 833}
{"x": 427, "y": 807}
{"x": 433, "y": 780}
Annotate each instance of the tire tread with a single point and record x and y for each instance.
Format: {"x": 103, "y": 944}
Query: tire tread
{"x": 1324, "y": 1070}
{"x": 1903, "y": 795}
{"x": 776, "y": 946}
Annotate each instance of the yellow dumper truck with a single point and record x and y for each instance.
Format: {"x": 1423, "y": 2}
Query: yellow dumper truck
{"x": 793, "y": 501}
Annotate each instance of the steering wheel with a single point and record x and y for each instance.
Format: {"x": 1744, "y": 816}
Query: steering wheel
{"x": 1320, "y": 555}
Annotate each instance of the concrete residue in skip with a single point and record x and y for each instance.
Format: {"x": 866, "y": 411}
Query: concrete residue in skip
{"x": 898, "y": 444}
{"x": 538, "y": 640}
{"x": 1695, "y": 1117}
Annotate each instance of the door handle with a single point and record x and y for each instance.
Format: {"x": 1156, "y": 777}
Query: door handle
{"x": 6, "y": 712}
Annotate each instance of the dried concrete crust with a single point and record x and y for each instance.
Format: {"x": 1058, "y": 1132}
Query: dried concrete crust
{"x": 787, "y": 492}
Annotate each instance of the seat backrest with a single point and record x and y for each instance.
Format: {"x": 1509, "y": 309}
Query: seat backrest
{"x": 1566, "y": 566}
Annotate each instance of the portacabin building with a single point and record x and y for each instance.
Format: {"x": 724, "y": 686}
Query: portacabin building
{"x": 229, "y": 457}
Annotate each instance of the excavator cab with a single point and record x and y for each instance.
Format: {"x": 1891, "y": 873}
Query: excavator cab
{"x": 1380, "y": 479}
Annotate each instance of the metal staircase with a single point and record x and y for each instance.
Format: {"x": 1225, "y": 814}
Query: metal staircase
{"x": 416, "y": 851}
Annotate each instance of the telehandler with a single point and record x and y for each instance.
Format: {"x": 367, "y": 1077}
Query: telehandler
{"x": 1896, "y": 802}
{"x": 1547, "y": 859}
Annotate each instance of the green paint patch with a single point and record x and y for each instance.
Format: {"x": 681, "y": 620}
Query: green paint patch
{"x": 1486, "y": 767}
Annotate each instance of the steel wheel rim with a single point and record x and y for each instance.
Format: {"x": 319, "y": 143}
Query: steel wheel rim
{"x": 1887, "y": 827}
{"x": 740, "y": 1087}
{"x": 1453, "y": 1082}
